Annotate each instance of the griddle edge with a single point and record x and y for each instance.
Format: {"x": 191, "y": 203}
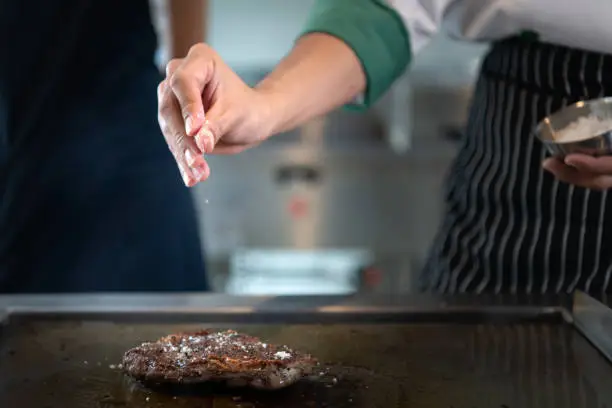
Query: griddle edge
{"x": 593, "y": 319}
{"x": 190, "y": 308}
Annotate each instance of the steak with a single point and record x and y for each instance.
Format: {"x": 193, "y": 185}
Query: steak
{"x": 233, "y": 358}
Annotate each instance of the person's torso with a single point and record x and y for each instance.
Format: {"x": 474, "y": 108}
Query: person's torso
{"x": 579, "y": 24}
{"x": 510, "y": 226}
{"x": 64, "y": 52}
{"x": 86, "y": 180}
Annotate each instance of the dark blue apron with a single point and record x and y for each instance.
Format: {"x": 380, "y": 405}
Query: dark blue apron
{"x": 90, "y": 198}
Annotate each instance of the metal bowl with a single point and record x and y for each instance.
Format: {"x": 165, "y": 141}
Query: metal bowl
{"x": 598, "y": 143}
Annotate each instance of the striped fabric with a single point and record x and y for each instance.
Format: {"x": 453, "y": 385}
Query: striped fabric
{"x": 510, "y": 227}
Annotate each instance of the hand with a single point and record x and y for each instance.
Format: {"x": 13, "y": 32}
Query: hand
{"x": 204, "y": 107}
{"x": 582, "y": 170}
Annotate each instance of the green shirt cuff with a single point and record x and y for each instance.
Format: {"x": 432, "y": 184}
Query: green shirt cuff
{"x": 374, "y": 31}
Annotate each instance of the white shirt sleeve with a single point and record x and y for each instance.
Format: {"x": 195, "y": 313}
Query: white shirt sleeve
{"x": 423, "y": 19}
{"x": 579, "y": 24}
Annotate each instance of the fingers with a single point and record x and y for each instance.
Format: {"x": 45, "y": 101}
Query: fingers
{"x": 576, "y": 175}
{"x": 596, "y": 165}
{"x": 188, "y": 77}
{"x": 563, "y": 172}
{"x": 188, "y": 156}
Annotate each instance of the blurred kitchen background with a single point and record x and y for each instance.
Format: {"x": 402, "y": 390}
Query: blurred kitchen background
{"x": 350, "y": 202}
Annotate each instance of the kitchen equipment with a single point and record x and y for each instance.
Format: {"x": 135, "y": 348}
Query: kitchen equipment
{"x": 584, "y": 127}
{"x": 379, "y": 351}
{"x": 315, "y": 272}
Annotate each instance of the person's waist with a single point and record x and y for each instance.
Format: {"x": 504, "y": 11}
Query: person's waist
{"x": 556, "y": 68}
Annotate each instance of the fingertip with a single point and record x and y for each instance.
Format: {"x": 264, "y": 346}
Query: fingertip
{"x": 189, "y": 125}
{"x": 205, "y": 173}
{"x": 548, "y": 163}
{"x": 201, "y": 172}
{"x": 571, "y": 161}
{"x": 186, "y": 176}
{"x": 193, "y": 159}
{"x": 189, "y": 158}
{"x": 555, "y": 166}
{"x": 193, "y": 123}
{"x": 205, "y": 140}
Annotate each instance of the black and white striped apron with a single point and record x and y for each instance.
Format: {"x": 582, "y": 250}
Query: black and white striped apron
{"x": 510, "y": 226}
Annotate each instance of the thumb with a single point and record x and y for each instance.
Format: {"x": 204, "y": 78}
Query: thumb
{"x": 594, "y": 165}
{"x": 212, "y": 130}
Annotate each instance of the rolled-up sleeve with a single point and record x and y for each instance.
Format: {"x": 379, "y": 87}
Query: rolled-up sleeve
{"x": 375, "y": 32}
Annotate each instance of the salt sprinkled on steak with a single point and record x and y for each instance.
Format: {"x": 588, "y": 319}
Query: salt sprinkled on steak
{"x": 282, "y": 355}
{"x": 228, "y": 356}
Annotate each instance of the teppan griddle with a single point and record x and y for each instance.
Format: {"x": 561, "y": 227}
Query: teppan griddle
{"x": 500, "y": 352}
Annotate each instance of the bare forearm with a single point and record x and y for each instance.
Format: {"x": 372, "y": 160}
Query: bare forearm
{"x": 187, "y": 25}
{"x": 320, "y": 74}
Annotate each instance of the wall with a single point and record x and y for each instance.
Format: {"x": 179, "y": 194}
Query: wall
{"x": 258, "y": 33}
{"x": 248, "y": 33}
{"x": 255, "y": 32}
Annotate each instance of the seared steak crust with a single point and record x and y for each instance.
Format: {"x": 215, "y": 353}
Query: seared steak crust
{"x": 228, "y": 356}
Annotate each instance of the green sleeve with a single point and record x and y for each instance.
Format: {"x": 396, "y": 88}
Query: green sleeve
{"x": 374, "y": 31}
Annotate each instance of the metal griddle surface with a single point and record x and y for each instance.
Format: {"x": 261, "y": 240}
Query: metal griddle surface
{"x": 65, "y": 364}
